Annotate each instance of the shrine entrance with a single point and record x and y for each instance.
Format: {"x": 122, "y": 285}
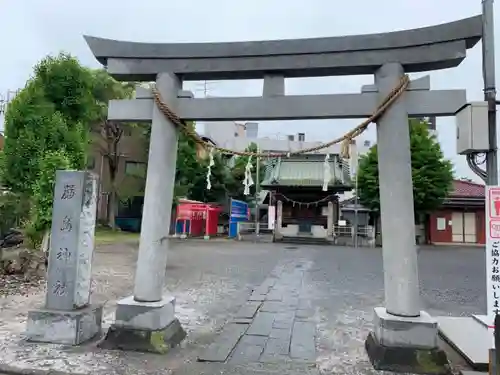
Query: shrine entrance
{"x": 388, "y": 102}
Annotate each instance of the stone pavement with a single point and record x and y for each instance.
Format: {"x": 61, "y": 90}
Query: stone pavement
{"x": 252, "y": 308}
{"x": 275, "y": 323}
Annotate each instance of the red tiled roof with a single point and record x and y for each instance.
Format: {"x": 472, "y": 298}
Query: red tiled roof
{"x": 467, "y": 189}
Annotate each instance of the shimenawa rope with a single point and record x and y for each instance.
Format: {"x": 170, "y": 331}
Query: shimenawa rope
{"x": 345, "y": 139}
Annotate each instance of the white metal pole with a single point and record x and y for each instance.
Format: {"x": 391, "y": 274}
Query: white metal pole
{"x": 356, "y": 210}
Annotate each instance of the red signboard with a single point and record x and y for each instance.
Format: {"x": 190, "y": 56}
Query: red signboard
{"x": 494, "y": 202}
{"x": 495, "y": 228}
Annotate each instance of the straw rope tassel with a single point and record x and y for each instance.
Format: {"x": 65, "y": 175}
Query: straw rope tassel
{"x": 209, "y": 169}
{"x": 248, "y": 181}
{"x": 326, "y": 172}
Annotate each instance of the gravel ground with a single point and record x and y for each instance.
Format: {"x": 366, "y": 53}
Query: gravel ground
{"x": 18, "y": 284}
{"x": 212, "y": 279}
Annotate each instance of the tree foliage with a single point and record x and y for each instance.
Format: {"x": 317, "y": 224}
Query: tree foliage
{"x": 191, "y": 173}
{"x": 432, "y": 173}
{"x": 108, "y": 134}
{"x": 43, "y": 192}
{"x": 47, "y": 127}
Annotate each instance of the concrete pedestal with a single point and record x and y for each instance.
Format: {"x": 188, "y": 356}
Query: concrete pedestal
{"x": 64, "y": 327}
{"x": 406, "y": 344}
{"x": 145, "y": 326}
{"x": 469, "y": 337}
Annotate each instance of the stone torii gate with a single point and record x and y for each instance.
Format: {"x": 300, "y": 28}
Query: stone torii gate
{"x": 404, "y": 336}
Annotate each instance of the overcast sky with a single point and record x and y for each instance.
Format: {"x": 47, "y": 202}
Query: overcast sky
{"x": 33, "y": 29}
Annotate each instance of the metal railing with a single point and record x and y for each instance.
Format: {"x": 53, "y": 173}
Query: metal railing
{"x": 349, "y": 231}
{"x": 247, "y": 228}
{"x": 346, "y": 235}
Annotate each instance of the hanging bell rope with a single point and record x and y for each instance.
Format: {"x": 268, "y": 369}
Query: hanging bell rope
{"x": 345, "y": 140}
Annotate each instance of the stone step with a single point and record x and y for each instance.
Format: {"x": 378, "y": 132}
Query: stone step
{"x": 306, "y": 240}
{"x": 469, "y": 338}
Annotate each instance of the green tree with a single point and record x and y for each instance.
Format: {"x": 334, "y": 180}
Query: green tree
{"x": 43, "y": 192}
{"x": 107, "y": 136}
{"x": 47, "y": 127}
{"x": 191, "y": 171}
{"x": 219, "y": 178}
{"x": 188, "y": 165}
{"x": 432, "y": 173}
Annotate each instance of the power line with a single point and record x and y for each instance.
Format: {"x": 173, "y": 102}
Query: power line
{"x": 205, "y": 87}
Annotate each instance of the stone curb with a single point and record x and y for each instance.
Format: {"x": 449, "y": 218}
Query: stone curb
{"x": 202, "y": 239}
{"x": 11, "y": 370}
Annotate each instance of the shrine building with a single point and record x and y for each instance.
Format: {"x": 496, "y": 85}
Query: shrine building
{"x": 305, "y": 207}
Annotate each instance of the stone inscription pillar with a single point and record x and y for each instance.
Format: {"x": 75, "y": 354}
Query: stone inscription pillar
{"x": 146, "y": 321}
{"x": 404, "y": 338}
{"x": 67, "y": 317}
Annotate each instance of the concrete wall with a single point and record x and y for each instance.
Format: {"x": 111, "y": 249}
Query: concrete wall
{"x": 292, "y": 230}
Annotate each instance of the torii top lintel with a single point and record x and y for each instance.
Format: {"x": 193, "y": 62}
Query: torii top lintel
{"x": 423, "y": 49}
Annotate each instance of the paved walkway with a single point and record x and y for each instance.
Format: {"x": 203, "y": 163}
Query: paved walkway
{"x": 252, "y": 308}
{"x": 275, "y": 324}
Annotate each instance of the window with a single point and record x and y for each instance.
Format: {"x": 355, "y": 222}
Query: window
{"x": 137, "y": 169}
{"x": 302, "y": 137}
{"x": 90, "y": 162}
{"x": 127, "y": 131}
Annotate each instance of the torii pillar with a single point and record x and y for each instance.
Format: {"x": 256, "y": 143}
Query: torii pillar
{"x": 146, "y": 320}
{"x": 403, "y": 334}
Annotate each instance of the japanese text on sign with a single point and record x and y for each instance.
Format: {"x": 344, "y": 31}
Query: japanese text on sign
{"x": 493, "y": 251}
{"x": 69, "y": 191}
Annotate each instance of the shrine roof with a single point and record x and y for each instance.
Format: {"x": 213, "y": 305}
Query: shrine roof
{"x": 467, "y": 189}
{"x": 306, "y": 171}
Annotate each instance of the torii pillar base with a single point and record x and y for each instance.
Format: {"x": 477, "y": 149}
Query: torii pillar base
{"x": 144, "y": 327}
{"x": 406, "y": 344}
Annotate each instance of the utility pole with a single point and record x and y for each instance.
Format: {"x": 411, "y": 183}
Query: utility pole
{"x": 257, "y": 184}
{"x": 488, "y": 44}
{"x": 356, "y": 202}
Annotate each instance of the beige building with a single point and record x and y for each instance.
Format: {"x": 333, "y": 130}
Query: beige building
{"x": 131, "y": 169}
